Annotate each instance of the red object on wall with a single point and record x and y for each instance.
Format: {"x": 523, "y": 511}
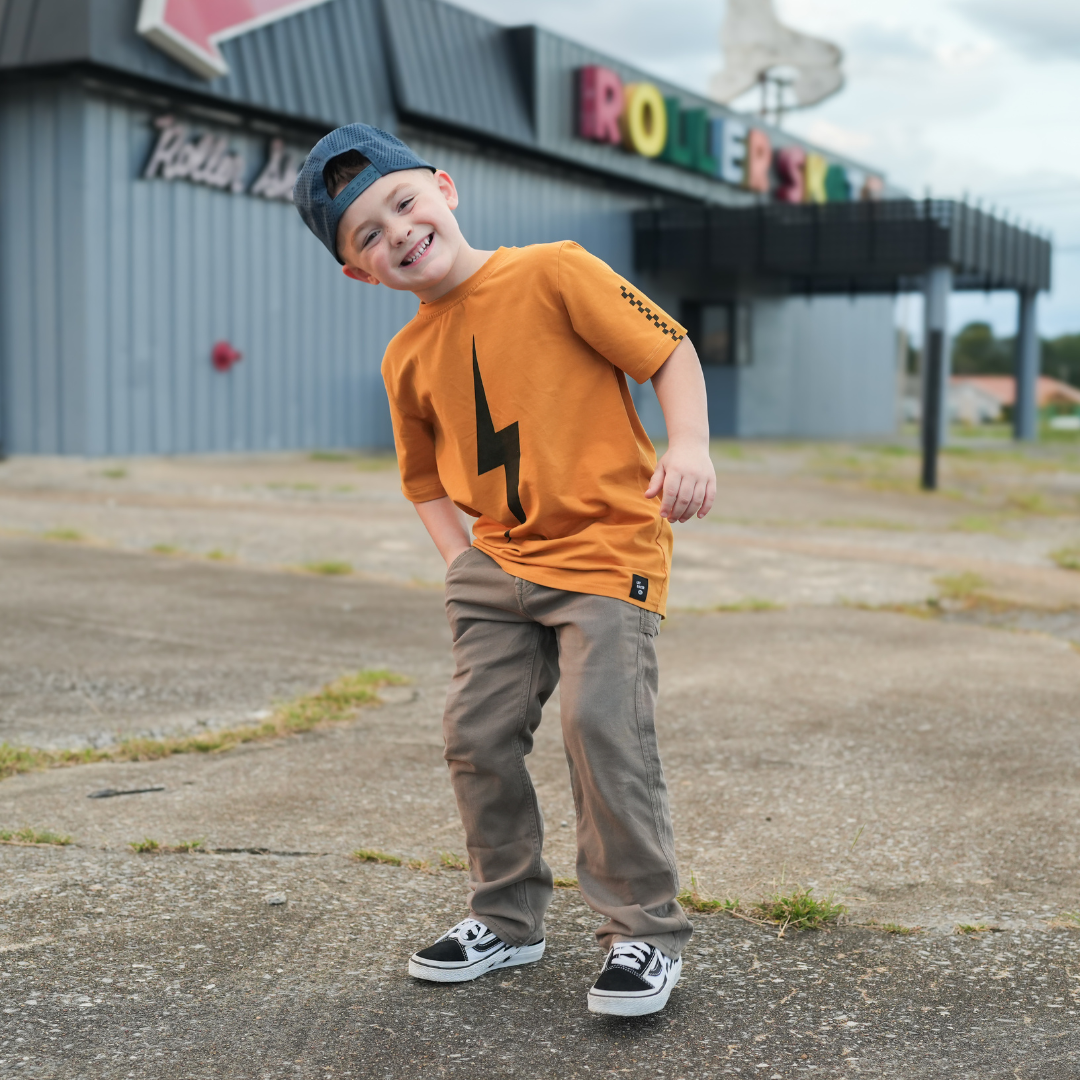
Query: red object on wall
{"x": 600, "y": 103}
{"x": 789, "y": 167}
{"x": 223, "y": 356}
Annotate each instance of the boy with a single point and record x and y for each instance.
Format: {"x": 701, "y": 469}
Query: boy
{"x": 509, "y": 402}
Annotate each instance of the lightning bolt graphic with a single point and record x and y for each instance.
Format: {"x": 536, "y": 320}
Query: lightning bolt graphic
{"x": 495, "y": 448}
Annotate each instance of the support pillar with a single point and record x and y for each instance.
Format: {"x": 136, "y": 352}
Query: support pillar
{"x": 1026, "y": 409}
{"x": 937, "y": 364}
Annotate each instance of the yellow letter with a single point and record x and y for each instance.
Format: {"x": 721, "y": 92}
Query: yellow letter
{"x": 644, "y": 119}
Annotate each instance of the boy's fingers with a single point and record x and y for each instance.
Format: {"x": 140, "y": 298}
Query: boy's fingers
{"x": 671, "y": 493}
{"x": 656, "y": 483}
{"x": 710, "y": 498}
{"x": 697, "y": 498}
{"x": 682, "y": 499}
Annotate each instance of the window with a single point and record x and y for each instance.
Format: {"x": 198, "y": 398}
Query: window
{"x": 720, "y": 332}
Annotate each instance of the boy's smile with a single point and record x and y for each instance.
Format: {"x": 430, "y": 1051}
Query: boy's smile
{"x": 401, "y": 232}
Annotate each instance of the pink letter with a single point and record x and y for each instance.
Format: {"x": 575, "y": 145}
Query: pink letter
{"x": 600, "y": 97}
{"x": 758, "y": 160}
{"x": 789, "y": 167}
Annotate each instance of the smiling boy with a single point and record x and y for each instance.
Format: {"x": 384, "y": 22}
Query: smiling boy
{"x": 510, "y": 405}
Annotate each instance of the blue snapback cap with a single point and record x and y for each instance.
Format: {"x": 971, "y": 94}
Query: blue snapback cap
{"x": 321, "y": 213}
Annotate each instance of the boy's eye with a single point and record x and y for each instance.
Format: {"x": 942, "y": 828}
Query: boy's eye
{"x": 368, "y": 239}
{"x": 407, "y": 203}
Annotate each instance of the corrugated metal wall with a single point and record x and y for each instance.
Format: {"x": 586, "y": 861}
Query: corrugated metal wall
{"x": 823, "y": 368}
{"x": 115, "y": 288}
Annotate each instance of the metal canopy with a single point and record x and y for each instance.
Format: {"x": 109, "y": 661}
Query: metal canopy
{"x": 857, "y": 247}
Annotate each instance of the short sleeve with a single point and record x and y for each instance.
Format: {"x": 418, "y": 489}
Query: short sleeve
{"x": 616, "y": 318}
{"x": 414, "y": 440}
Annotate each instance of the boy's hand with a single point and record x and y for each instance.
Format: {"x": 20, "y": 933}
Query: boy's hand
{"x": 688, "y": 480}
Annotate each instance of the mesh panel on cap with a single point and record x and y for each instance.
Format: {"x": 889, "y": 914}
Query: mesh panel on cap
{"x": 386, "y": 152}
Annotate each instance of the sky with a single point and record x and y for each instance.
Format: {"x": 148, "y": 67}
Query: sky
{"x": 954, "y": 97}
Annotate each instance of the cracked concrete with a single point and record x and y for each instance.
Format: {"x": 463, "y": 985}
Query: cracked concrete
{"x": 924, "y": 771}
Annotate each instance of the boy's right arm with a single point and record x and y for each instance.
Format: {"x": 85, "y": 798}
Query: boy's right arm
{"x": 442, "y": 519}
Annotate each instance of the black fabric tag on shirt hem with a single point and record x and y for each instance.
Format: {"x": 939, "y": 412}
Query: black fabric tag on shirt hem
{"x": 639, "y": 588}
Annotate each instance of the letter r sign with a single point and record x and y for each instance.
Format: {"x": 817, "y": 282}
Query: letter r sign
{"x": 600, "y": 104}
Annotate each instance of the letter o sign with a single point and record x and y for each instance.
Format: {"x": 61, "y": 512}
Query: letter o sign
{"x": 644, "y": 119}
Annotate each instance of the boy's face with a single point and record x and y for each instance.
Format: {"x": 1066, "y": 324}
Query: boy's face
{"x": 401, "y": 232}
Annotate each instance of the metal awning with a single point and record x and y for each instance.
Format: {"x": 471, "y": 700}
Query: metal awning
{"x": 858, "y": 247}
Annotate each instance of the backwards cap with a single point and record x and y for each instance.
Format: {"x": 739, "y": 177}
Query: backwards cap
{"x": 320, "y": 212}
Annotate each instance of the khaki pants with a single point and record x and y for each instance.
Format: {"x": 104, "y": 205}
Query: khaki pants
{"x": 512, "y": 642}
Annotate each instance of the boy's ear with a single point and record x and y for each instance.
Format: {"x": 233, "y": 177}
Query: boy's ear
{"x": 448, "y": 188}
{"x": 357, "y": 274}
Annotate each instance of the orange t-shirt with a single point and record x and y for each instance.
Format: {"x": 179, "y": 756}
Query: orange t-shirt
{"x": 509, "y": 395}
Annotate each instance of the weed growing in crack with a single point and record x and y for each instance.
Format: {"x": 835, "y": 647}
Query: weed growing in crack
{"x": 896, "y": 928}
{"x": 68, "y": 535}
{"x": 798, "y": 909}
{"x": 693, "y": 899}
{"x": 147, "y": 846}
{"x": 373, "y": 856}
{"x": 34, "y": 837}
{"x": 960, "y": 587}
{"x": 329, "y": 568}
{"x": 449, "y": 861}
{"x": 565, "y": 883}
{"x": 1068, "y": 558}
{"x": 337, "y": 702}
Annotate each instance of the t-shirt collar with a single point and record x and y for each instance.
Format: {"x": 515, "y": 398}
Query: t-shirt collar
{"x": 459, "y": 292}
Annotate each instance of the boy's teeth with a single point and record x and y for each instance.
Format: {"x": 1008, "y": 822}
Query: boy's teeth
{"x": 420, "y": 251}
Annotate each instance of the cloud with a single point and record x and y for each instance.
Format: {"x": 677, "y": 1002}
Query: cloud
{"x": 1041, "y": 29}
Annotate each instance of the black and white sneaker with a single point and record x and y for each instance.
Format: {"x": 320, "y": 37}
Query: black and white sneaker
{"x": 636, "y": 980}
{"x": 467, "y": 951}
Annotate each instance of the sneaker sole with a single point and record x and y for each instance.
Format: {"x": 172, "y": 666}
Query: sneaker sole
{"x": 429, "y": 972}
{"x": 625, "y": 1005}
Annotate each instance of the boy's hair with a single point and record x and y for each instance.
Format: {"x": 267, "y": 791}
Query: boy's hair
{"x": 340, "y": 171}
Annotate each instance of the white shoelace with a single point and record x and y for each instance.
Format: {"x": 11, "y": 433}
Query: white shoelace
{"x": 631, "y": 954}
{"x": 468, "y": 931}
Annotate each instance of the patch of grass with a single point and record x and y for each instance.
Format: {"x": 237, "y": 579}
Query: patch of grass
{"x": 1069, "y": 919}
{"x": 329, "y": 455}
{"x": 449, "y": 861}
{"x": 337, "y": 702}
{"x": 371, "y": 855}
{"x": 1031, "y": 502}
{"x": 566, "y": 883}
{"x": 973, "y": 928}
{"x": 147, "y": 846}
{"x": 165, "y": 549}
{"x": 376, "y": 463}
{"x": 976, "y": 524}
{"x": 34, "y": 837}
{"x": 749, "y": 603}
{"x": 693, "y": 899}
{"x": 798, "y": 908}
{"x": 329, "y": 568}
{"x": 217, "y": 555}
{"x": 419, "y": 864}
{"x": 1068, "y": 558}
{"x": 959, "y": 586}
{"x": 70, "y": 536}
{"x": 114, "y": 474}
{"x": 896, "y": 928}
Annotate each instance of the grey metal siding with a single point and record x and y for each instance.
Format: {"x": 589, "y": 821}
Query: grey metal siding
{"x": 41, "y": 271}
{"x": 457, "y": 67}
{"x": 822, "y": 368}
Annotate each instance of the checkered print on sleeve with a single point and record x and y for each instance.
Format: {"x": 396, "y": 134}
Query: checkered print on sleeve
{"x": 649, "y": 314}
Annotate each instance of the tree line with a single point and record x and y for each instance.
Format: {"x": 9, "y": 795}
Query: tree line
{"x": 978, "y": 351}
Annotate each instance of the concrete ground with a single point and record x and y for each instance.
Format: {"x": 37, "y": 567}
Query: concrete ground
{"x": 923, "y": 770}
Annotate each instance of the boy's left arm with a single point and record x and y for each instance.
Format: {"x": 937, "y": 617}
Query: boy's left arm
{"x": 685, "y": 474}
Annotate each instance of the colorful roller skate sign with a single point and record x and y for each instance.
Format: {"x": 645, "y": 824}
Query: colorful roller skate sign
{"x": 191, "y": 30}
{"x": 641, "y": 120}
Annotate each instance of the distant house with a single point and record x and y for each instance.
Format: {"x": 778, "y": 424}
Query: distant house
{"x": 970, "y": 403}
{"x": 1051, "y": 394}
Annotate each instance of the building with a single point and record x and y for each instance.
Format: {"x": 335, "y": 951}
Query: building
{"x": 160, "y": 295}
